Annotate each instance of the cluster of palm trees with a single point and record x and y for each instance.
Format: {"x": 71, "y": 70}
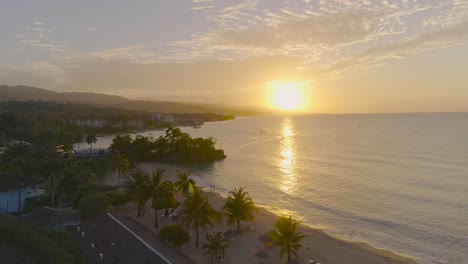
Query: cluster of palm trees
{"x": 196, "y": 212}
{"x": 67, "y": 177}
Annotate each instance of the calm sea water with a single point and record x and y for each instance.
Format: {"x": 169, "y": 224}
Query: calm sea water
{"x": 395, "y": 181}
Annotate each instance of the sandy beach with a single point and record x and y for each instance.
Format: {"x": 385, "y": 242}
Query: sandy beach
{"x": 321, "y": 247}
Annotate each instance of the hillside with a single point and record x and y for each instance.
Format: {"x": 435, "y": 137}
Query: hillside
{"x": 27, "y": 93}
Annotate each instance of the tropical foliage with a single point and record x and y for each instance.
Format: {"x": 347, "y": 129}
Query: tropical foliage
{"x": 216, "y": 245}
{"x": 286, "y": 237}
{"x": 239, "y": 207}
{"x": 184, "y": 182}
{"x": 91, "y": 139}
{"x": 93, "y": 205}
{"x": 197, "y": 213}
{"x": 173, "y": 146}
{"x": 162, "y": 194}
{"x": 117, "y": 199}
{"x": 174, "y": 235}
{"x": 120, "y": 164}
{"x": 40, "y": 244}
{"x": 54, "y": 166}
{"x": 138, "y": 188}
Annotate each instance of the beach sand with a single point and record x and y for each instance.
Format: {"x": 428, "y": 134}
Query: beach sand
{"x": 321, "y": 247}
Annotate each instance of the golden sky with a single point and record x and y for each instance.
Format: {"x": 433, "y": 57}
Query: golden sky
{"x": 343, "y": 56}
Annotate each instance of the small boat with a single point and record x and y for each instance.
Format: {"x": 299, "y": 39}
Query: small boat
{"x": 197, "y": 126}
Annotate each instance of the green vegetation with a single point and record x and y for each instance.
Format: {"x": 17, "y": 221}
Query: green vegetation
{"x": 162, "y": 194}
{"x": 117, "y": 199}
{"x": 39, "y": 122}
{"x": 216, "y": 246}
{"x": 175, "y": 235}
{"x": 197, "y": 213}
{"x": 286, "y": 237}
{"x": 40, "y": 244}
{"x": 93, "y": 205}
{"x": 183, "y": 183}
{"x": 239, "y": 207}
{"x": 175, "y": 146}
{"x": 139, "y": 189}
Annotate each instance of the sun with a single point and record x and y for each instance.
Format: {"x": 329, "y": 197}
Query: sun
{"x": 287, "y": 96}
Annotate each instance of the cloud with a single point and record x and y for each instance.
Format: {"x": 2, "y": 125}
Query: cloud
{"x": 38, "y": 36}
{"x": 202, "y": 7}
{"x": 327, "y": 34}
{"x": 248, "y": 44}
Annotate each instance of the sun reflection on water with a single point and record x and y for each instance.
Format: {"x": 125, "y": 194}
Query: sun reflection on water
{"x": 287, "y": 157}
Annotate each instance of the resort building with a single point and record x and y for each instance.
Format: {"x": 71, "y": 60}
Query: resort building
{"x": 9, "y": 192}
{"x": 164, "y": 118}
{"x": 91, "y": 152}
{"x": 137, "y": 124}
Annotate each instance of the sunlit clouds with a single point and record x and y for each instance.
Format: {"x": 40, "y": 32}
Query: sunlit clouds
{"x": 219, "y": 50}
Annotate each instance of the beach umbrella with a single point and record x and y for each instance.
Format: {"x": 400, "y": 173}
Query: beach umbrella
{"x": 262, "y": 255}
{"x": 229, "y": 234}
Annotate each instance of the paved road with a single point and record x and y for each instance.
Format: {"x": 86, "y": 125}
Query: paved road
{"x": 172, "y": 254}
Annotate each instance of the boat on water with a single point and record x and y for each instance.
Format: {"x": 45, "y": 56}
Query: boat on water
{"x": 197, "y": 126}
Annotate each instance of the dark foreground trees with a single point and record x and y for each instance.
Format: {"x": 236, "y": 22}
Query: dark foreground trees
{"x": 39, "y": 244}
{"x": 216, "y": 246}
{"x": 175, "y": 235}
{"x": 239, "y": 207}
{"x": 197, "y": 213}
{"x": 286, "y": 237}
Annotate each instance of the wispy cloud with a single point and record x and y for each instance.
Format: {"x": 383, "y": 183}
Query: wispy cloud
{"x": 328, "y": 34}
{"x": 251, "y": 42}
{"x": 38, "y": 35}
{"x": 202, "y": 7}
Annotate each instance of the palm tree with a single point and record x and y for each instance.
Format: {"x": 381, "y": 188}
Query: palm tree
{"x": 239, "y": 207}
{"x": 139, "y": 189}
{"x": 286, "y": 237}
{"x": 55, "y": 166}
{"x": 120, "y": 164}
{"x": 15, "y": 158}
{"x": 91, "y": 139}
{"x": 162, "y": 194}
{"x": 197, "y": 213}
{"x": 216, "y": 246}
{"x": 183, "y": 183}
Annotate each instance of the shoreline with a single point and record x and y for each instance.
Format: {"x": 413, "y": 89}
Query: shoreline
{"x": 323, "y": 247}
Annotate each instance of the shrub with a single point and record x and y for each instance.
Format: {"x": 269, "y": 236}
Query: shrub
{"x": 93, "y": 205}
{"x": 41, "y": 244}
{"x": 117, "y": 199}
{"x": 174, "y": 235}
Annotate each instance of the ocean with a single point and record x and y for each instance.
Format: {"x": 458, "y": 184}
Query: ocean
{"x": 395, "y": 181}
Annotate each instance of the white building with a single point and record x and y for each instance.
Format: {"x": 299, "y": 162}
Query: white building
{"x": 167, "y": 118}
{"x": 9, "y": 193}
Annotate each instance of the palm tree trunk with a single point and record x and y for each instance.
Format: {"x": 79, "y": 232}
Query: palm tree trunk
{"x": 19, "y": 202}
{"x": 196, "y": 244}
{"x": 238, "y": 226}
{"x": 118, "y": 171}
{"x": 156, "y": 224}
{"x": 52, "y": 187}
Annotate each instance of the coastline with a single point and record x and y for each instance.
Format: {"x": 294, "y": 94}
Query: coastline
{"x": 322, "y": 247}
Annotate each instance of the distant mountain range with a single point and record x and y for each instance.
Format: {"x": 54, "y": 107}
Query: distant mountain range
{"x": 28, "y": 93}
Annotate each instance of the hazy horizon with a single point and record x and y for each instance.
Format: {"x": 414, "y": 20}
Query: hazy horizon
{"x": 325, "y": 56}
